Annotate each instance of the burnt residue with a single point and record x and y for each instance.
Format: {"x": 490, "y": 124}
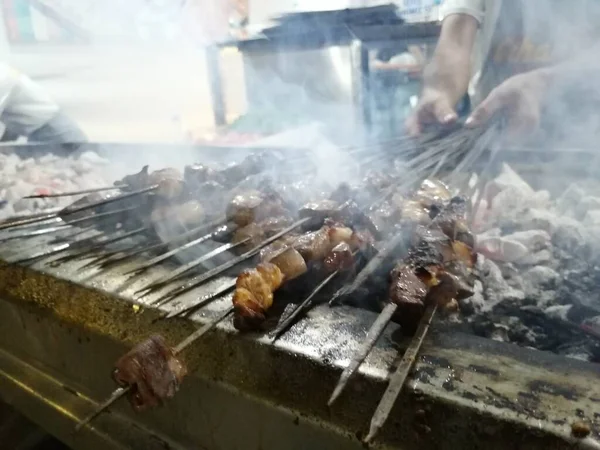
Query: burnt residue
{"x": 521, "y": 406}
{"x": 424, "y": 374}
{"x": 470, "y": 396}
{"x": 449, "y": 385}
{"x": 483, "y": 370}
{"x": 580, "y": 413}
{"x": 545, "y": 387}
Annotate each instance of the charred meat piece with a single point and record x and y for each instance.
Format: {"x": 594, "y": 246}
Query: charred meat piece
{"x": 290, "y": 262}
{"x": 186, "y": 214}
{"x": 413, "y": 211}
{"x": 251, "y": 165}
{"x": 152, "y": 372}
{"x": 198, "y": 174}
{"x": 376, "y": 182}
{"x": 169, "y": 181}
{"x": 253, "y": 295}
{"x": 432, "y": 192}
{"x": 436, "y": 270}
{"x": 408, "y": 291}
{"x": 319, "y": 211}
{"x": 135, "y": 181}
{"x": 254, "y": 206}
{"x": 453, "y": 221}
{"x": 255, "y": 233}
{"x": 314, "y": 245}
{"x": 380, "y": 220}
{"x": 339, "y": 258}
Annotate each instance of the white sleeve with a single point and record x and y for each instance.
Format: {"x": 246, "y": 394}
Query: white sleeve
{"x": 474, "y": 8}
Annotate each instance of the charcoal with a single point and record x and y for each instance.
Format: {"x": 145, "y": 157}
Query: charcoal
{"x": 570, "y": 199}
{"x": 586, "y": 205}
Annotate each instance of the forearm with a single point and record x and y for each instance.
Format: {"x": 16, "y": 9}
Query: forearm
{"x": 450, "y": 67}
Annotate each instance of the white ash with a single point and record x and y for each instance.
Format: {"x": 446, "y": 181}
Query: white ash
{"x": 47, "y": 173}
{"x": 539, "y": 265}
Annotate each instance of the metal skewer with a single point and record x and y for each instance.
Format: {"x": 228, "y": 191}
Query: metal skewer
{"x": 178, "y": 273}
{"x": 203, "y": 278}
{"x": 66, "y": 225}
{"x": 283, "y": 326}
{"x": 120, "y": 392}
{"x": 97, "y": 245}
{"x": 202, "y": 301}
{"x": 220, "y": 228}
{"x": 72, "y": 210}
{"x": 365, "y": 347}
{"x": 118, "y": 258}
{"x": 74, "y": 193}
{"x": 399, "y": 376}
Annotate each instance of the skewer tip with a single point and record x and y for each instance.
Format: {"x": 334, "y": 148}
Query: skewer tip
{"x": 373, "y": 431}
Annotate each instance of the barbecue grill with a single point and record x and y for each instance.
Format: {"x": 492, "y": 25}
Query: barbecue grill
{"x": 64, "y": 327}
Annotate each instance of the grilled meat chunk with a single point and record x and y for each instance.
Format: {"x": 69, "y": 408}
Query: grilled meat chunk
{"x": 339, "y": 258}
{"x": 314, "y": 245}
{"x": 187, "y": 214}
{"x": 198, "y": 174}
{"x": 255, "y": 233}
{"x": 436, "y": 269}
{"x": 253, "y": 295}
{"x": 414, "y": 211}
{"x": 254, "y": 206}
{"x": 169, "y": 181}
{"x": 135, "y": 181}
{"x": 152, "y": 372}
{"x": 290, "y": 262}
{"x": 432, "y": 192}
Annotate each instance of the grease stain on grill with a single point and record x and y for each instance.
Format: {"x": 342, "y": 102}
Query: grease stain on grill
{"x": 436, "y": 361}
{"x": 525, "y": 407}
{"x": 424, "y": 374}
{"x": 545, "y": 387}
{"x": 470, "y": 396}
{"x": 483, "y": 370}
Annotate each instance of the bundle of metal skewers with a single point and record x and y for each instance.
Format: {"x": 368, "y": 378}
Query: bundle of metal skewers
{"x": 414, "y": 223}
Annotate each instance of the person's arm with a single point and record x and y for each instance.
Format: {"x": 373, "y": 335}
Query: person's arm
{"x": 521, "y": 97}
{"x": 446, "y": 77}
{"x": 450, "y": 68}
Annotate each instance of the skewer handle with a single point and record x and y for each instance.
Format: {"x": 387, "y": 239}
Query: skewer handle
{"x": 374, "y": 333}
{"x": 73, "y": 193}
{"x": 116, "y": 395}
{"x": 399, "y": 376}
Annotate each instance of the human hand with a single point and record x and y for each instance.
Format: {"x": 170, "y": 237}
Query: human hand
{"x": 434, "y": 107}
{"x": 519, "y": 99}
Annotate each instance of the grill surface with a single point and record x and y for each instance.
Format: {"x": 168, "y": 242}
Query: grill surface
{"x": 64, "y": 328}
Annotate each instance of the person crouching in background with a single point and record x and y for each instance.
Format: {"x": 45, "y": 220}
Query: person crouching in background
{"x": 26, "y": 110}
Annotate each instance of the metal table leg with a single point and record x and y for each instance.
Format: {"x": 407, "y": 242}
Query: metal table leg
{"x": 365, "y": 86}
{"x": 213, "y": 68}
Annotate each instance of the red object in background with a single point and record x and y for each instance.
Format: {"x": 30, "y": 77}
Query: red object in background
{"x": 42, "y": 191}
{"x": 10, "y": 20}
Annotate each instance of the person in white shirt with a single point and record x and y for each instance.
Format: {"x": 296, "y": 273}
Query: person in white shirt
{"x": 508, "y": 55}
{"x": 27, "y": 110}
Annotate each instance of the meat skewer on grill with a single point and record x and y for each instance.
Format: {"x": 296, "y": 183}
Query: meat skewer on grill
{"x": 151, "y": 372}
{"x": 427, "y": 275}
{"x": 333, "y": 245}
